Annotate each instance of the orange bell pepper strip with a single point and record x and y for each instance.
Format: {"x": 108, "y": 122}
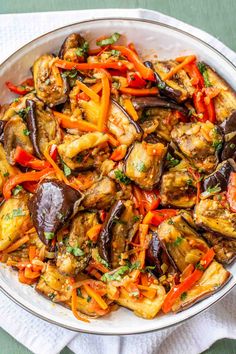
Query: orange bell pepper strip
{"x": 65, "y": 121}
{"x": 105, "y": 103}
{"x": 70, "y": 65}
{"x": 22, "y": 278}
{"x": 13, "y": 181}
{"x": 145, "y": 72}
{"x": 94, "y": 232}
{"x": 74, "y": 307}
{"x": 119, "y": 153}
{"x": 177, "y": 290}
{"x": 99, "y": 300}
{"x": 156, "y": 217}
{"x": 173, "y": 71}
{"x": 139, "y": 92}
{"x": 130, "y": 109}
{"x": 88, "y": 91}
{"x": 17, "y": 244}
{"x": 26, "y": 159}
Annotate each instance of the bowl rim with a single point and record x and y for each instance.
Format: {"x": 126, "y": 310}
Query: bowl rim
{"x": 134, "y": 19}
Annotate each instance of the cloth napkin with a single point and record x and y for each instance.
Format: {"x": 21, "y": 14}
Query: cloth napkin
{"x": 192, "y": 337}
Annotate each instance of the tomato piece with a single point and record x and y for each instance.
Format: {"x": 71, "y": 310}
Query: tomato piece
{"x": 135, "y": 80}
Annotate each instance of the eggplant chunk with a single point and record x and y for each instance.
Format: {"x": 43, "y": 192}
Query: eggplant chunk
{"x": 145, "y": 307}
{"x": 122, "y": 126}
{"x": 225, "y": 249}
{"x": 14, "y": 220}
{"x": 6, "y": 169}
{"x": 199, "y": 143}
{"x": 220, "y": 176}
{"x": 228, "y": 128}
{"x": 51, "y": 206}
{"x": 178, "y": 188}
{"x": 153, "y": 254}
{"x": 42, "y": 125}
{"x": 53, "y": 285}
{"x": 212, "y": 216}
{"x": 49, "y": 84}
{"x": 182, "y": 243}
{"x": 225, "y": 101}
{"x": 179, "y": 81}
{"x": 213, "y": 278}
{"x": 14, "y": 136}
{"x": 144, "y": 168}
{"x": 101, "y": 195}
{"x": 70, "y": 48}
{"x": 75, "y": 257}
{"x": 119, "y": 228}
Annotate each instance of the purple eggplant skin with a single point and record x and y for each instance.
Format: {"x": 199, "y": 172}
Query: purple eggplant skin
{"x": 105, "y": 237}
{"x": 153, "y": 254}
{"x": 135, "y": 124}
{"x": 31, "y": 121}
{"x": 74, "y": 40}
{"x": 154, "y": 102}
{"x": 228, "y": 128}
{"x": 51, "y": 207}
{"x": 220, "y": 176}
{"x": 229, "y": 125}
{"x": 2, "y": 125}
{"x": 164, "y": 89}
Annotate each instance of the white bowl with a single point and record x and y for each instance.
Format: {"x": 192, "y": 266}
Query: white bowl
{"x": 149, "y": 38}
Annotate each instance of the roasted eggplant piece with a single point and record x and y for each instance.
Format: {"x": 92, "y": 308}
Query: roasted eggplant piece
{"x": 157, "y": 102}
{"x": 6, "y": 169}
{"x": 14, "y": 136}
{"x": 164, "y": 89}
{"x": 225, "y": 249}
{"x": 225, "y": 101}
{"x": 74, "y": 257}
{"x": 142, "y": 167}
{"x": 2, "y": 125}
{"x": 213, "y": 278}
{"x": 153, "y": 253}
{"x": 179, "y": 81}
{"x": 182, "y": 243}
{"x": 220, "y": 176}
{"x": 51, "y": 87}
{"x": 14, "y": 220}
{"x": 119, "y": 228}
{"x": 51, "y": 206}
{"x": 178, "y": 189}
{"x": 144, "y": 307}
{"x": 199, "y": 143}
{"x": 211, "y": 215}
{"x": 122, "y": 126}
{"x": 101, "y": 195}
{"x": 73, "y": 48}
{"x": 228, "y": 128}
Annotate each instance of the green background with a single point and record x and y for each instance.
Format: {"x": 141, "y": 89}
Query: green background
{"x": 214, "y": 16}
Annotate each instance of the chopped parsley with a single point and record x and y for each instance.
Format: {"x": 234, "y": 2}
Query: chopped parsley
{"x": 23, "y": 112}
{"x": 121, "y": 177}
{"x": 26, "y": 132}
{"x": 6, "y": 174}
{"x": 136, "y": 218}
{"x": 49, "y": 235}
{"x": 76, "y": 251}
{"x": 79, "y": 293}
{"x": 217, "y": 145}
{"x": 172, "y": 162}
{"x": 178, "y": 241}
{"x": 17, "y": 190}
{"x": 101, "y": 260}
{"x": 183, "y": 296}
{"x": 140, "y": 166}
{"x": 51, "y": 296}
{"x": 89, "y": 298}
{"x": 83, "y": 50}
{"x": 203, "y": 70}
{"x": 47, "y": 82}
{"x": 116, "y": 275}
{"x": 67, "y": 170}
{"x": 161, "y": 85}
{"x": 70, "y": 73}
{"x": 115, "y": 53}
{"x": 189, "y": 182}
{"x": 148, "y": 269}
{"x": 199, "y": 266}
{"x": 170, "y": 222}
{"x": 110, "y": 40}
{"x": 214, "y": 189}
{"x": 80, "y": 158}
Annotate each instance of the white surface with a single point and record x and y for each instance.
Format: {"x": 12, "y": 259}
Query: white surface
{"x": 16, "y": 30}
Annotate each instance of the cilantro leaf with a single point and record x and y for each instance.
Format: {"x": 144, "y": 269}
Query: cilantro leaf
{"x": 110, "y": 40}
{"x": 76, "y": 251}
{"x": 120, "y": 176}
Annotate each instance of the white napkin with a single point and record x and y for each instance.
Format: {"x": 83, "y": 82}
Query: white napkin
{"x": 193, "y": 336}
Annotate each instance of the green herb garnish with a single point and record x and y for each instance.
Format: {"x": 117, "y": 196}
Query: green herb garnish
{"x": 23, "y": 112}
{"x": 79, "y": 293}
{"x": 83, "y": 50}
{"x": 136, "y": 218}
{"x": 26, "y": 132}
{"x": 115, "y": 53}
{"x": 172, "y": 162}
{"x": 116, "y": 275}
{"x": 67, "y": 170}
{"x": 121, "y": 177}
{"x": 18, "y": 212}
{"x": 189, "y": 182}
{"x": 70, "y": 73}
{"x": 6, "y": 174}
{"x": 183, "y": 296}
{"x": 214, "y": 189}
{"x": 170, "y": 222}
{"x": 178, "y": 241}
{"x": 49, "y": 235}
{"x": 76, "y": 251}
{"x": 217, "y": 145}
{"x": 203, "y": 70}
{"x": 17, "y": 190}
{"x": 89, "y": 298}
{"x": 51, "y": 296}
{"x": 110, "y": 40}
{"x": 199, "y": 266}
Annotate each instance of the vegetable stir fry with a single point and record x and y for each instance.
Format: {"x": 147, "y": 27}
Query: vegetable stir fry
{"x": 118, "y": 179}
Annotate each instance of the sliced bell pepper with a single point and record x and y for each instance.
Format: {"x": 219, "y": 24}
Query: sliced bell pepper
{"x": 119, "y": 153}
{"x": 158, "y": 216}
{"x": 151, "y": 200}
{"x": 188, "y": 282}
{"x": 200, "y": 107}
{"x": 135, "y": 80}
{"x": 24, "y": 158}
{"x": 69, "y": 65}
{"x": 139, "y": 92}
{"x": 231, "y": 191}
{"x": 22, "y": 89}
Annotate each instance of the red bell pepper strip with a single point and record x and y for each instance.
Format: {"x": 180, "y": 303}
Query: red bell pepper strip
{"x": 53, "y": 152}
{"x": 188, "y": 282}
{"x": 30, "y": 186}
{"x": 231, "y": 191}
{"x": 195, "y": 75}
{"x": 211, "y": 111}
{"x": 135, "y": 80}
{"x": 26, "y": 159}
{"x": 22, "y": 89}
{"x": 33, "y": 176}
{"x": 200, "y": 107}
{"x": 151, "y": 200}
{"x": 158, "y": 216}
{"x": 69, "y": 65}
{"x": 145, "y": 72}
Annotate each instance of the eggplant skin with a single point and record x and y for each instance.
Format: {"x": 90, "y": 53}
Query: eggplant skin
{"x": 178, "y": 189}
{"x": 220, "y": 176}
{"x": 32, "y": 126}
{"x": 51, "y": 206}
{"x": 212, "y": 216}
{"x": 199, "y": 143}
{"x": 213, "y": 278}
{"x": 225, "y": 249}
{"x": 70, "y": 46}
{"x": 153, "y": 253}
{"x": 105, "y": 237}
{"x": 228, "y": 128}
{"x": 142, "y": 168}
{"x": 157, "y": 102}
